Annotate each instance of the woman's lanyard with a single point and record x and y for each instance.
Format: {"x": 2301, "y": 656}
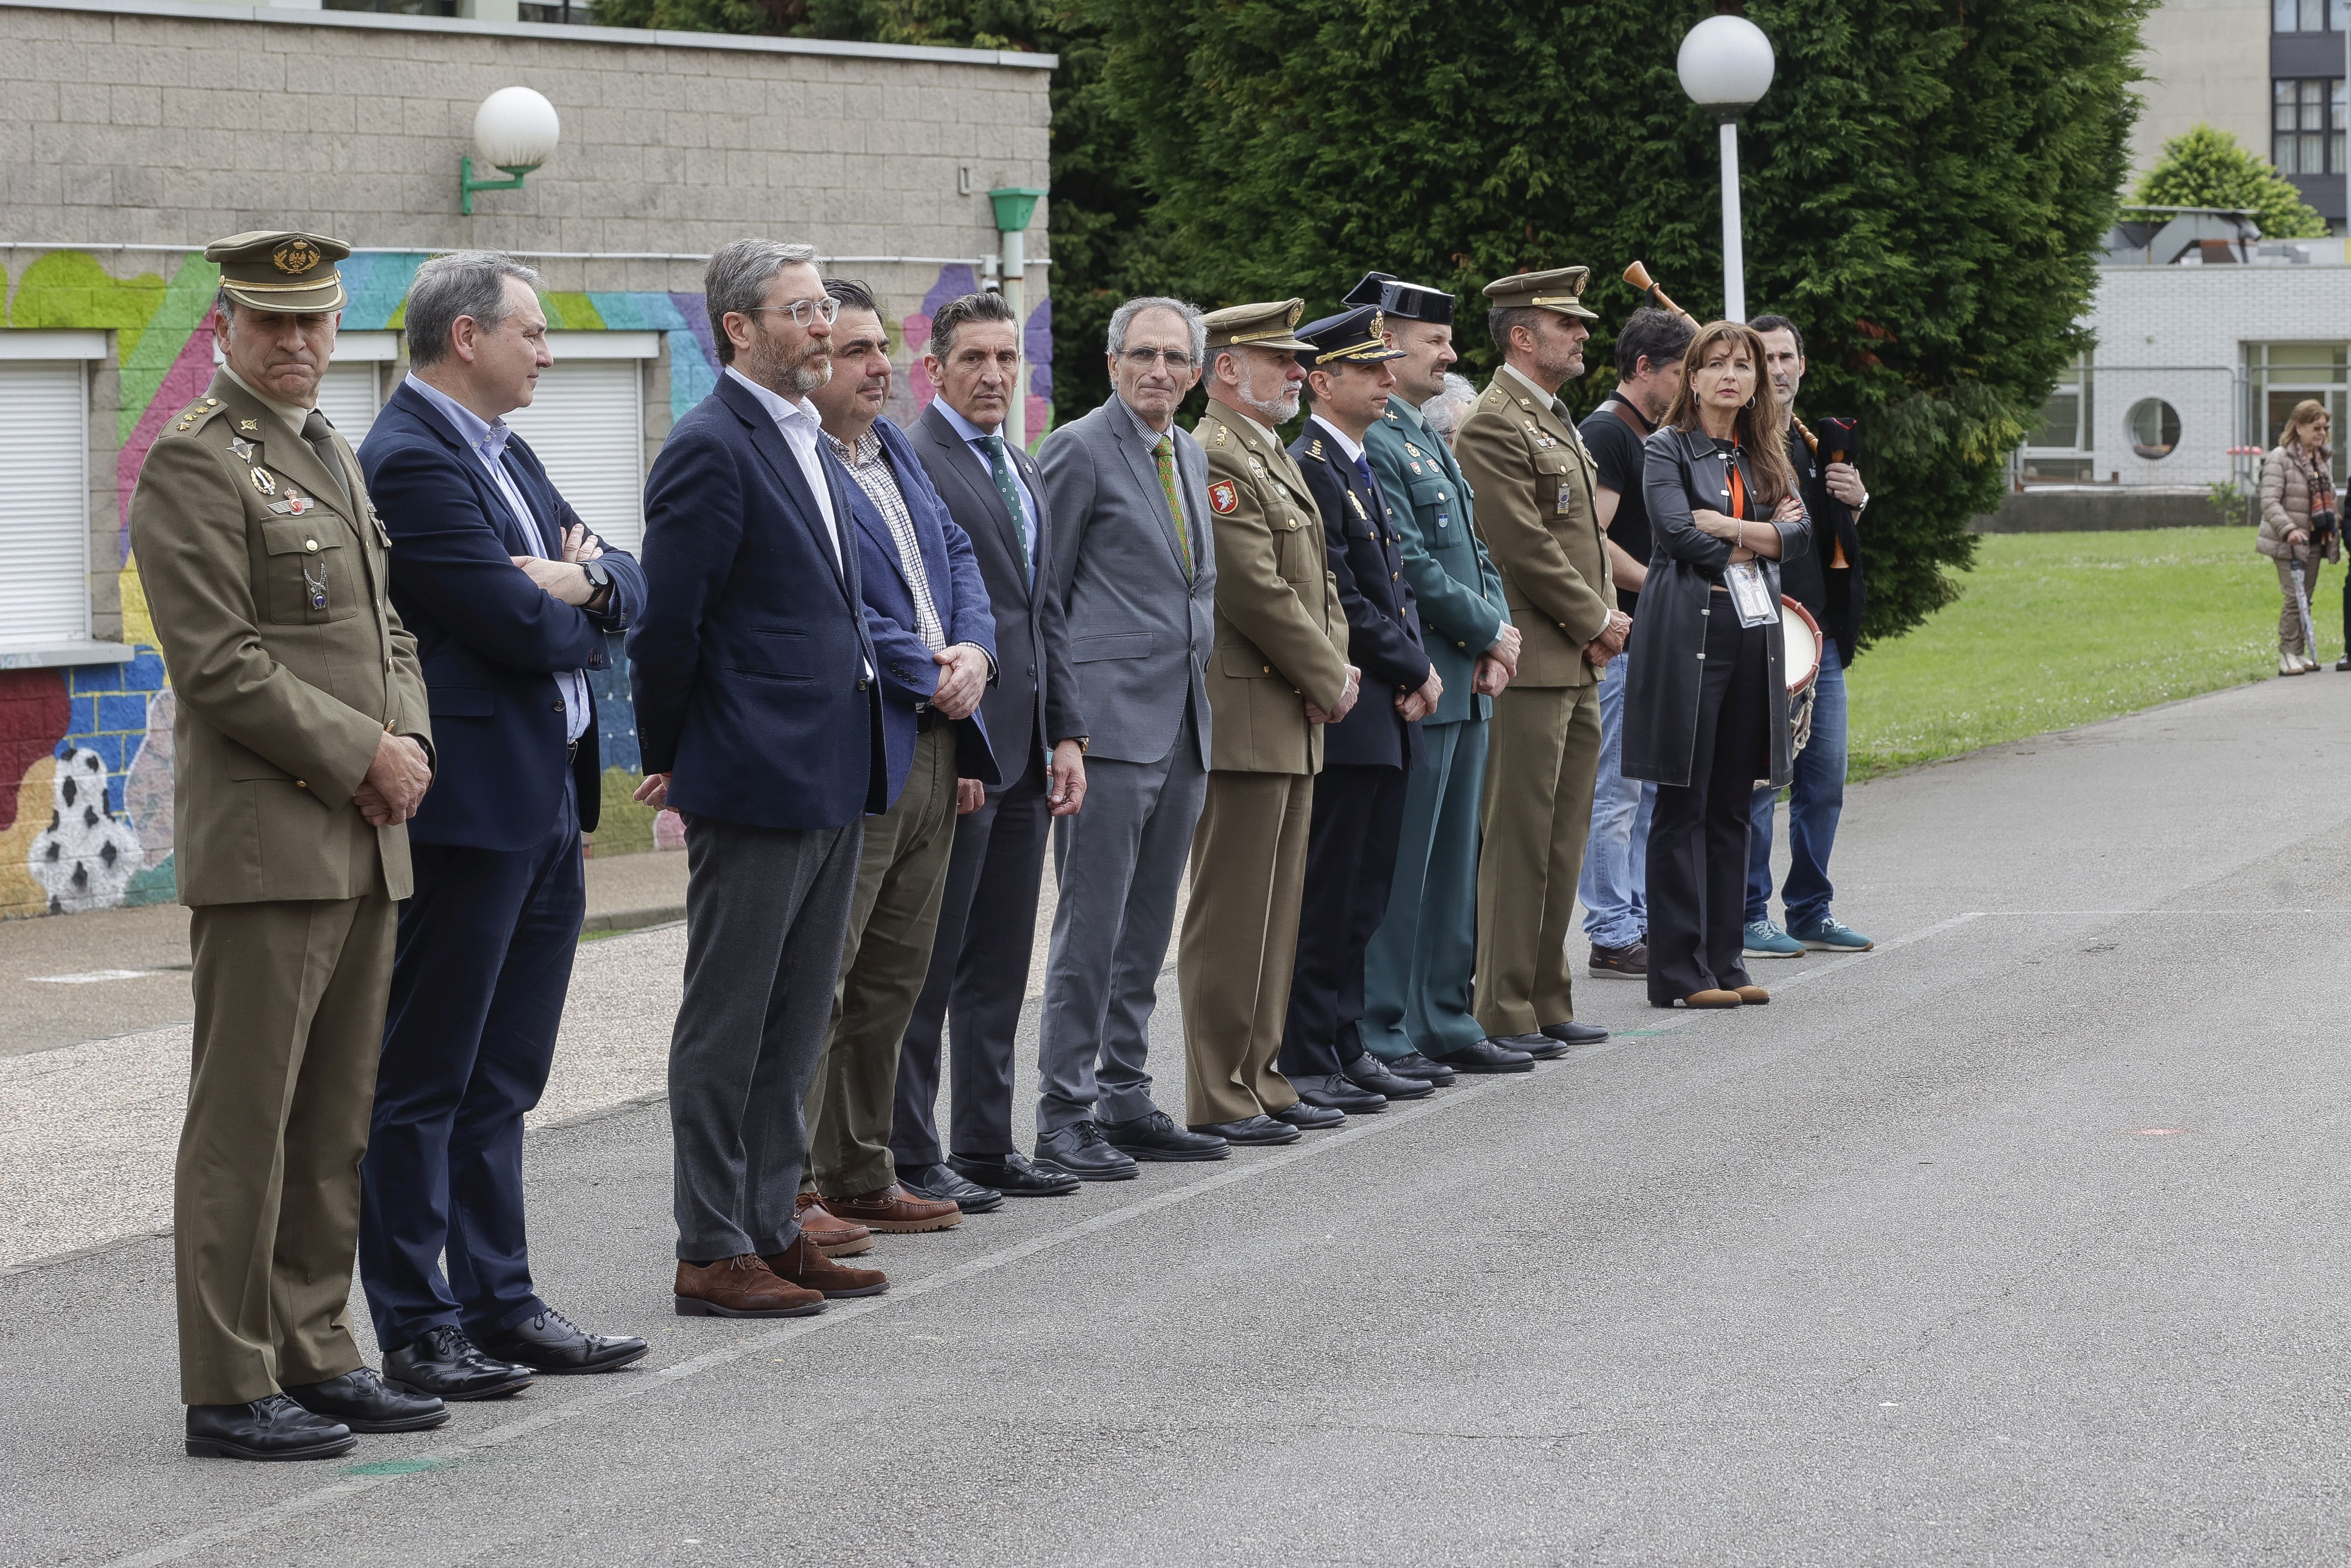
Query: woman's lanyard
{"x": 1738, "y": 486}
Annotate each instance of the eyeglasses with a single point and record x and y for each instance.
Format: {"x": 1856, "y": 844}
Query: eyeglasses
{"x": 825, "y": 309}
{"x": 1176, "y": 359}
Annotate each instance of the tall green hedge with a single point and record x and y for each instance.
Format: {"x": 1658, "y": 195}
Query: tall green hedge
{"x": 1925, "y": 185}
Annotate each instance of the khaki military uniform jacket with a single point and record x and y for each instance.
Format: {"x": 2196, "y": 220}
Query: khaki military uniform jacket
{"x": 288, "y": 661}
{"x": 1281, "y": 632}
{"x": 1534, "y": 482}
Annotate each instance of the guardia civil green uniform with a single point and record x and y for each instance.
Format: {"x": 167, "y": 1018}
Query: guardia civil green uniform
{"x": 1417, "y": 972}
{"x": 1534, "y": 480}
{"x": 264, "y": 567}
{"x": 1280, "y": 642}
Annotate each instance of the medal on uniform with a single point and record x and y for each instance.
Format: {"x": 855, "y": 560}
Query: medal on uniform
{"x": 292, "y": 506}
{"x": 263, "y": 482}
{"x": 1358, "y": 501}
{"x": 317, "y": 585}
{"x": 242, "y": 447}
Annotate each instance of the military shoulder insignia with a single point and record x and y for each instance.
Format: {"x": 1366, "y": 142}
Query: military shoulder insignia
{"x": 264, "y": 481}
{"x": 1223, "y": 435}
{"x": 1224, "y": 498}
{"x": 1315, "y": 450}
{"x": 242, "y": 447}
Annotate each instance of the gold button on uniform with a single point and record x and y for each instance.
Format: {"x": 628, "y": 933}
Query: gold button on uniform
{"x": 309, "y": 544}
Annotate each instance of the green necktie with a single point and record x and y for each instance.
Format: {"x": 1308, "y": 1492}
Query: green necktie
{"x": 1165, "y": 452}
{"x": 1002, "y": 473}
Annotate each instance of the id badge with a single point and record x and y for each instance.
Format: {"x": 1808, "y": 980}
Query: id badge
{"x": 1749, "y": 594}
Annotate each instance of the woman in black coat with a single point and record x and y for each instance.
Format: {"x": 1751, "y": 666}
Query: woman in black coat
{"x": 1706, "y": 699}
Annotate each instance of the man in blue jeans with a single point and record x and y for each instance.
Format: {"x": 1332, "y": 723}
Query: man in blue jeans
{"x": 1827, "y": 582}
{"x": 1616, "y": 855}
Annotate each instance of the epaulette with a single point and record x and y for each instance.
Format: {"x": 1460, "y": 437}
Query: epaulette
{"x": 1223, "y": 430}
{"x": 1315, "y": 450}
{"x": 195, "y": 414}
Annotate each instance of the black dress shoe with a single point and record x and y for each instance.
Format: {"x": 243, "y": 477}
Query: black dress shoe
{"x": 551, "y": 1343}
{"x": 1311, "y": 1117}
{"x": 1485, "y": 1056}
{"x": 366, "y": 1403}
{"x": 1155, "y": 1136}
{"x": 1416, "y": 1066}
{"x": 1250, "y": 1130}
{"x": 271, "y": 1428}
{"x": 1368, "y": 1072}
{"x": 1013, "y": 1176}
{"x": 444, "y": 1362}
{"x": 1539, "y": 1046}
{"x": 1337, "y": 1091}
{"x": 1080, "y": 1150}
{"x": 950, "y": 1186}
{"x": 1573, "y": 1033}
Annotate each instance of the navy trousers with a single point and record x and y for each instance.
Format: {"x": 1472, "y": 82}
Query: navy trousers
{"x": 483, "y": 961}
{"x": 1350, "y": 860}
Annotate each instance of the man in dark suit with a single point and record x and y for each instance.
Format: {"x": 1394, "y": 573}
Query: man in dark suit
{"x": 760, "y": 717}
{"x": 1351, "y": 852}
{"x": 510, "y": 597}
{"x": 988, "y": 917}
{"x": 935, "y": 642}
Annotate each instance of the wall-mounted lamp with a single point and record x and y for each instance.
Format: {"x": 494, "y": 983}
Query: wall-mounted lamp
{"x": 514, "y": 130}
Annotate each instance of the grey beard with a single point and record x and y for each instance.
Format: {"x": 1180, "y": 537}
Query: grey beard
{"x": 1276, "y": 412}
{"x": 803, "y": 378}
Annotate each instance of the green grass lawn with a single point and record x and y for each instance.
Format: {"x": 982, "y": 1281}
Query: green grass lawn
{"x": 2055, "y": 630}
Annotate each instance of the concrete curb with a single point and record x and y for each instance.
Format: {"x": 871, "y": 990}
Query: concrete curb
{"x": 613, "y": 920}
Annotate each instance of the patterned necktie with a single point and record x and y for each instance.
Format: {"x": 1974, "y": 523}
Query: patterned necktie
{"x": 320, "y": 436}
{"x": 1001, "y": 471}
{"x": 1165, "y": 452}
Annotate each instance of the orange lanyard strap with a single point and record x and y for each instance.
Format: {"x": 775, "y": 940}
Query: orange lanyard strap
{"x": 1738, "y": 486}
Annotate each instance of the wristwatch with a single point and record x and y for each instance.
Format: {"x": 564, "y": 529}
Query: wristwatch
{"x": 600, "y": 580}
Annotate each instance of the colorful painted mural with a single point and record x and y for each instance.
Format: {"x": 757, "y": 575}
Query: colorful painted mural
{"x": 86, "y": 776}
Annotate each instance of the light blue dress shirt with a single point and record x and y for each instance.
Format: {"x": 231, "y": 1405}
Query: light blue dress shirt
{"x": 977, "y": 439}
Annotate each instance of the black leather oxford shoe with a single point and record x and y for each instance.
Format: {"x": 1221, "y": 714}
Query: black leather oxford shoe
{"x": 1154, "y": 1137}
{"x": 552, "y": 1343}
{"x": 1250, "y": 1130}
{"x": 1485, "y": 1056}
{"x": 1368, "y": 1072}
{"x": 444, "y": 1362}
{"x": 1418, "y": 1066}
{"x": 948, "y": 1184}
{"x": 366, "y": 1403}
{"x": 1080, "y": 1149}
{"x": 1013, "y": 1174}
{"x": 1312, "y": 1118}
{"x": 1338, "y": 1091}
{"x": 1573, "y": 1033}
{"x": 1537, "y": 1046}
{"x": 271, "y": 1428}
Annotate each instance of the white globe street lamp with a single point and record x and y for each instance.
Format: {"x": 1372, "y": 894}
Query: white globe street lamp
{"x": 514, "y": 130}
{"x": 1726, "y": 64}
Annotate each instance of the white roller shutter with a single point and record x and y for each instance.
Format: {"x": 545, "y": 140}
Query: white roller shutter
{"x": 45, "y": 503}
{"x": 347, "y": 397}
{"x": 587, "y": 424}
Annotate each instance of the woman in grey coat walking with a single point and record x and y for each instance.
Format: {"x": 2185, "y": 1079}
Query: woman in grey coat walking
{"x": 2298, "y": 529}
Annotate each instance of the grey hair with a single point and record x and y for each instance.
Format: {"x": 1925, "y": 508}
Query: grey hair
{"x": 971, "y": 308}
{"x": 736, "y": 281}
{"x": 1124, "y": 318}
{"x": 462, "y": 283}
{"x": 1443, "y": 412}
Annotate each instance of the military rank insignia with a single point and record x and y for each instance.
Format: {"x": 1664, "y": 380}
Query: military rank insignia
{"x": 1223, "y": 498}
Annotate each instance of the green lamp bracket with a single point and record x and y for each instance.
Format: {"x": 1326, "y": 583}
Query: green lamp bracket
{"x": 467, "y": 184}
{"x": 1015, "y": 205}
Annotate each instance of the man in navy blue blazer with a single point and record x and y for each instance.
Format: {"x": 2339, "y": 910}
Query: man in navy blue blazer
{"x": 510, "y": 597}
{"x": 935, "y": 638}
{"x": 760, "y": 717}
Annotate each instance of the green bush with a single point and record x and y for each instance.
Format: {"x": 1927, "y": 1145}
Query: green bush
{"x": 2210, "y": 168}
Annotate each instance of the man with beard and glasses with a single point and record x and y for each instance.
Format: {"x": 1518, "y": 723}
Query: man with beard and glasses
{"x": 1281, "y": 673}
{"x": 759, "y": 714}
{"x": 1533, "y": 480}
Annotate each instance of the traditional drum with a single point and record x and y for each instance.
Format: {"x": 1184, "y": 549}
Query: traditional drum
{"x": 1802, "y": 635}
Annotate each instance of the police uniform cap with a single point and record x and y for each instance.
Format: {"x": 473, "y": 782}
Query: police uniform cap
{"x": 1271, "y": 324}
{"x": 1403, "y": 301}
{"x": 1561, "y": 289}
{"x": 280, "y": 270}
{"x": 1352, "y": 337}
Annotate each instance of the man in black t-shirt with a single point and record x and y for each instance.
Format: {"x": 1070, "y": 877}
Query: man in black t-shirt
{"x": 1615, "y": 857}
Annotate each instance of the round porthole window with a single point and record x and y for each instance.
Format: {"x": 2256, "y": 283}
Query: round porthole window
{"x": 2154, "y": 427}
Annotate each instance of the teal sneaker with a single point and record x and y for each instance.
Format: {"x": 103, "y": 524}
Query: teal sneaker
{"x": 1764, "y": 939}
{"x": 1828, "y": 937}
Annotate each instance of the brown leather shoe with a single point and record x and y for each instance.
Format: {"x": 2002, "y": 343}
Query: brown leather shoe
{"x": 1711, "y": 999}
{"x": 742, "y": 1287}
{"x": 1750, "y": 995}
{"x": 834, "y": 1236}
{"x": 893, "y": 1209}
{"x": 803, "y": 1265}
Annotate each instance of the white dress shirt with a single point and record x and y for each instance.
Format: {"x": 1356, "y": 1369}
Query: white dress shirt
{"x": 1347, "y": 444}
{"x": 977, "y": 439}
{"x": 486, "y": 440}
{"x": 801, "y": 428}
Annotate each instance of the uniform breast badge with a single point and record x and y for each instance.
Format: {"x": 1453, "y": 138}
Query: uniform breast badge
{"x": 242, "y": 447}
{"x": 250, "y": 426}
{"x": 316, "y": 582}
{"x": 264, "y": 481}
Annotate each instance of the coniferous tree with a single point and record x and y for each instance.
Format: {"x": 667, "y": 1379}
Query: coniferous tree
{"x": 2209, "y": 167}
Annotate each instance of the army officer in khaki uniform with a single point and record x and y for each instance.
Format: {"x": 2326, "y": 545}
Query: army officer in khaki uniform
{"x": 302, "y": 746}
{"x": 1279, "y": 672}
{"x": 1519, "y": 451}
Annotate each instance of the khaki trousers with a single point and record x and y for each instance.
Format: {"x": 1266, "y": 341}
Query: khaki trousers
{"x": 901, "y": 874}
{"x": 1240, "y": 943}
{"x": 1543, "y": 751}
{"x": 289, "y": 1023}
{"x": 2290, "y": 638}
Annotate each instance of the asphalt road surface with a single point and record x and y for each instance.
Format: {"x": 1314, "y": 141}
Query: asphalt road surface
{"x": 2018, "y": 1241}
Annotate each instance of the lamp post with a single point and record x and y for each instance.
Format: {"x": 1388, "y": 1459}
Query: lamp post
{"x": 514, "y": 130}
{"x": 1015, "y": 205}
{"x": 1726, "y": 64}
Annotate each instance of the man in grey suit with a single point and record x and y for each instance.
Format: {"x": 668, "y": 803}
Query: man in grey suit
{"x": 988, "y": 918}
{"x": 1135, "y": 564}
